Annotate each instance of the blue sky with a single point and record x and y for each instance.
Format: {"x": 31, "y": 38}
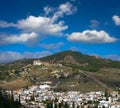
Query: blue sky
{"x": 36, "y": 28}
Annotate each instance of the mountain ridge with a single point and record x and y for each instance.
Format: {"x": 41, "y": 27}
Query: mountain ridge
{"x": 94, "y": 64}
{"x": 82, "y": 61}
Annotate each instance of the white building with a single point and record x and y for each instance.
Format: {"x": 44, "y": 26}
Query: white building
{"x": 37, "y": 62}
{"x": 45, "y": 86}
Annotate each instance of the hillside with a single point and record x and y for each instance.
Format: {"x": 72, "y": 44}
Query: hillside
{"x": 78, "y": 72}
{"x": 84, "y": 62}
{"x": 77, "y": 59}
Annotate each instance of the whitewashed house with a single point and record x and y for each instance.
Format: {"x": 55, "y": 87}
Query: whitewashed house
{"x": 37, "y": 62}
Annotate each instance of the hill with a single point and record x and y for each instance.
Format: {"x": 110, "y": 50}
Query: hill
{"x": 84, "y": 62}
{"x": 71, "y": 58}
{"x": 78, "y": 72}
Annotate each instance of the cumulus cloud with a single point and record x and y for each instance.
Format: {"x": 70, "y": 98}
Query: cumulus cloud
{"x": 9, "y": 56}
{"x": 91, "y": 36}
{"x": 52, "y": 46}
{"x": 116, "y": 19}
{"x": 42, "y": 25}
{"x": 25, "y": 37}
{"x": 94, "y": 24}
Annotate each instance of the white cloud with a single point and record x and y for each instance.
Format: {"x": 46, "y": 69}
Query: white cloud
{"x": 116, "y": 19}
{"x": 42, "y": 25}
{"x": 4, "y": 24}
{"x": 32, "y": 26}
{"x": 64, "y": 9}
{"x": 45, "y": 25}
{"x": 22, "y": 38}
{"x": 91, "y": 36}
{"x": 48, "y": 10}
{"x": 94, "y": 24}
{"x": 10, "y": 56}
{"x": 52, "y": 46}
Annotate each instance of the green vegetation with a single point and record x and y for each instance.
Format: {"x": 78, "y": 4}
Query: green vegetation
{"x": 8, "y": 101}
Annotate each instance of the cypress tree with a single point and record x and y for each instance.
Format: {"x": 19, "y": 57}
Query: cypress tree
{"x": 66, "y": 105}
{"x": 60, "y": 105}
{"x": 55, "y": 105}
{"x": 73, "y": 105}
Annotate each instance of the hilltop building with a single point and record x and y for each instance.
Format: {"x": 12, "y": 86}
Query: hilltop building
{"x": 37, "y": 62}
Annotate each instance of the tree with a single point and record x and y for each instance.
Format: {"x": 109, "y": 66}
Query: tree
{"x": 77, "y": 106}
{"x": 32, "y": 98}
{"x": 55, "y": 105}
{"x": 66, "y": 105}
{"x": 106, "y": 94}
{"x": 73, "y": 105}
{"x": 7, "y": 101}
{"x": 60, "y": 105}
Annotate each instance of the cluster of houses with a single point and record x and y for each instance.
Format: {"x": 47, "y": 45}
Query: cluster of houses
{"x": 33, "y": 97}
